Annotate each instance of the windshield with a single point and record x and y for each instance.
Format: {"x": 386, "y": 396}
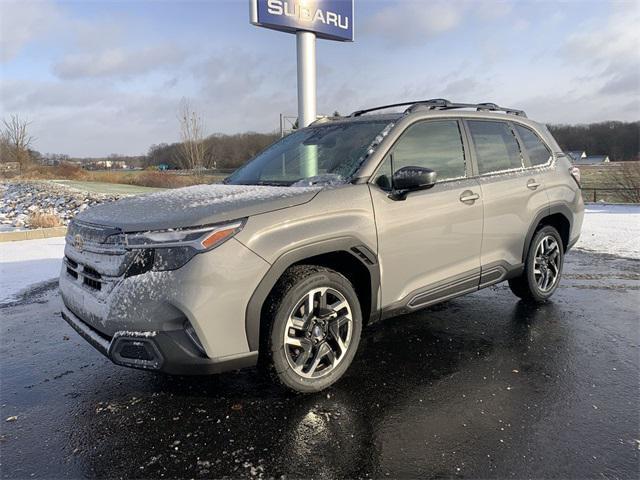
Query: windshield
{"x": 316, "y": 155}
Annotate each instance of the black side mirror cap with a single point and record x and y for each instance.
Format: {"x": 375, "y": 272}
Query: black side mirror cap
{"x": 410, "y": 179}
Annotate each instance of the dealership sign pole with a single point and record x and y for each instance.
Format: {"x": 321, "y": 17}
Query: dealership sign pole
{"x": 308, "y": 19}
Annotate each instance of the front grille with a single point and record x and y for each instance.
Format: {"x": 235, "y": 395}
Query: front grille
{"x": 96, "y": 257}
{"x": 92, "y": 278}
{"x": 72, "y": 267}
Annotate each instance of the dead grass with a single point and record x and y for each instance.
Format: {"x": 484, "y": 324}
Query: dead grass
{"x": 43, "y": 220}
{"x": 140, "y": 178}
{"x": 148, "y": 179}
{"x": 65, "y": 171}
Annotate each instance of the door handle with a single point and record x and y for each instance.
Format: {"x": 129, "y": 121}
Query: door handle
{"x": 468, "y": 196}
{"x": 532, "y": 184}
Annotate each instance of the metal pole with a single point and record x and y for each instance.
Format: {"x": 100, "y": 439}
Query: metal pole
{"x": 306, "y": 49}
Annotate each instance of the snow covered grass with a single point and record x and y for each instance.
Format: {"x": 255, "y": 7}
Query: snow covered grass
{"x": 28, "y": 262}
{"x": 613, "y": 229}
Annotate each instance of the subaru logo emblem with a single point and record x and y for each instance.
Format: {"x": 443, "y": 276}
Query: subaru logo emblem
{"x": 78, "y": 242}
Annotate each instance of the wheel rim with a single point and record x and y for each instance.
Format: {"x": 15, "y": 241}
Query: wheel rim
{"x": 318, "y": 332}
{"x": 546, "y": 264}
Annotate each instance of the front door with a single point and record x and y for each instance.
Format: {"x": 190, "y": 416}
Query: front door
{"x": 429, "y": 243}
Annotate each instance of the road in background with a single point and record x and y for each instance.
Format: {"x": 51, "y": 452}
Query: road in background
{"x": 482, "y": 386}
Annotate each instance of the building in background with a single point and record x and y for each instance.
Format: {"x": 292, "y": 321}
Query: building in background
{"x": 577, "y": 155}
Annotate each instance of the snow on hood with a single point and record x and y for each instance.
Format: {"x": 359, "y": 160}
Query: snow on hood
{"x": 194, "y": 206}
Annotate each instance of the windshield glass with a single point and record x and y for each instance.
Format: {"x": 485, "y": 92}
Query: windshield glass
{"x": 316, "y": 155}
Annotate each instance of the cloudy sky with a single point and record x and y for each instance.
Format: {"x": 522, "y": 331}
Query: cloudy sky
{"x": 100, "y": 77}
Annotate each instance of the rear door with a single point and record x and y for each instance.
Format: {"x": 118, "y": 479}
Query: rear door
{"x": 512, "y": 194}
{"x": 428, "y": 243}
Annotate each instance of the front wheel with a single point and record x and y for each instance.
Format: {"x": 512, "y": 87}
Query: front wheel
{"x": 543, "y": 267}
{"x": 314, "y": 325}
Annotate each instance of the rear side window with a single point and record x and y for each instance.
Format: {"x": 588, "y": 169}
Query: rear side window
{"x": 538, "y": 152}
{"x": 496, "y": 147}
{"x": 434, "y": 144}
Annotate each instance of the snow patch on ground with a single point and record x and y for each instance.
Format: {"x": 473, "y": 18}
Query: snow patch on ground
{"x": 613, "y": 229}
{"x": 28, "y": 262}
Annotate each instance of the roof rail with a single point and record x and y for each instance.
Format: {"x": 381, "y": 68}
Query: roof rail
{"x": 442, "y": 104}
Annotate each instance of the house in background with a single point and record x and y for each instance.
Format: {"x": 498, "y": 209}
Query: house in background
{"x": 577, "y": 155}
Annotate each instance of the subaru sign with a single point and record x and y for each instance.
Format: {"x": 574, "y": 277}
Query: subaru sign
{"x": 328, "y": 19}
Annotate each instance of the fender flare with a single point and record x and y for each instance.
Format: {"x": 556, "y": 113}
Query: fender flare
{"x": 349, "y": 244}
{"x": 545, "y": 212}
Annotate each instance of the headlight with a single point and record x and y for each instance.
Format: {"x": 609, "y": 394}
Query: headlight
{"x": 171, "y": 249}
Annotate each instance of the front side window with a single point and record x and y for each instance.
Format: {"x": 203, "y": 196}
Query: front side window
{"x": 434, "y": 144}
{"x": 538, "y": 152}
{"x": 495, "y": 145}
{"x": 323, "y": 154}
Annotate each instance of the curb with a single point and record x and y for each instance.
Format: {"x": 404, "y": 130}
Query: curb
{"x": 33, "y": 234}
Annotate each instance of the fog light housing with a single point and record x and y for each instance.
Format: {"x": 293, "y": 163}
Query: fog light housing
{"x": 193, "y": 336}
{"x": 135, "y": 351}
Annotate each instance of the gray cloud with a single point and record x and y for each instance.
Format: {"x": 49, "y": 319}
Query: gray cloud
{"x": 402, "y": 22}
{"x": 611, "y": 51}
{"x": 413, "y": 21}
{"x": 118, "y": 62}
{"x": 21, "y": 22}
{"x": 624, "y": 83}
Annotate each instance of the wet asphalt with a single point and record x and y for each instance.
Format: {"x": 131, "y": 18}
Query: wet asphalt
{"x": 483, "y": 386}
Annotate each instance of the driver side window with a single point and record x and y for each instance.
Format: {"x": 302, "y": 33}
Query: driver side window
{"x": 432, "y": 144}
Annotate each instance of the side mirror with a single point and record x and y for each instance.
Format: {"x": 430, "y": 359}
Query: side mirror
{"x": 410, "y": 179}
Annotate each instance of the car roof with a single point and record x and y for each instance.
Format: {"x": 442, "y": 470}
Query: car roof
{"x": 426, "y": 114}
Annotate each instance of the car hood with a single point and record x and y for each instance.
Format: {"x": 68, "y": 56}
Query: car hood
{"x": 194, "y": 206}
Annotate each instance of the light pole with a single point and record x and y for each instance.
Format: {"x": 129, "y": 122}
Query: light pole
{"x": 307, "y": 75}
{"x": 307, "y": 103}
{"x": 308, "y": 19}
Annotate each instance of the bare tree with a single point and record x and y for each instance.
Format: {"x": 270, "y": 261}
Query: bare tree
{"x": 15, "y": 134}
{"x": 191, "y": 151}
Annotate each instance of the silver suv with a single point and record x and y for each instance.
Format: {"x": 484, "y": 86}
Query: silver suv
{"x": 346, "y": 222}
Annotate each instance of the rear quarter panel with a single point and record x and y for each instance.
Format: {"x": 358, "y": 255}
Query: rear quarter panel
{"x": 562, "y": 190}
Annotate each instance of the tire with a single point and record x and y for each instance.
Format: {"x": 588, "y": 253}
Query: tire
{"x": 542, "y": 273}
{"x": 307, "y": 353}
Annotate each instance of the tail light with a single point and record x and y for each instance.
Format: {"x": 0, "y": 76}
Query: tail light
{"x": 575, "y": 173}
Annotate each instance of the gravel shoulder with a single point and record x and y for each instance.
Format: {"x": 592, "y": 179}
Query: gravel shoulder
{"x": 22, "y": 198}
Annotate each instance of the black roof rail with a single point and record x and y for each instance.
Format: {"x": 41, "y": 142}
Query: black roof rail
{"x": 357, "y": 113}
{"x": 442, "y": 104}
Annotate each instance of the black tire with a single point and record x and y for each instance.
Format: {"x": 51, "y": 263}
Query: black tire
{"x": 296, "y": 284}
{"x": 527, "y": 285}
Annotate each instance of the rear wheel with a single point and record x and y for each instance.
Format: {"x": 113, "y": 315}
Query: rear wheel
{"x": 314, "y": 328}
{"x": 543, "y": 267}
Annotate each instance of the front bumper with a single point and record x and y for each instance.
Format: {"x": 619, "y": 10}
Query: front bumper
{"x": 210, "y": 293}
{"x": 171, "y": 352}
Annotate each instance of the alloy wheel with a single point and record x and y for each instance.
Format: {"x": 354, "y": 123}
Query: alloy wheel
{"x": 546, "y": 263}
{"x": 318, "y": 332}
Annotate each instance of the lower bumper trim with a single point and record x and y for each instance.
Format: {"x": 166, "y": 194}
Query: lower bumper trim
{"x": 171, "y": 352}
